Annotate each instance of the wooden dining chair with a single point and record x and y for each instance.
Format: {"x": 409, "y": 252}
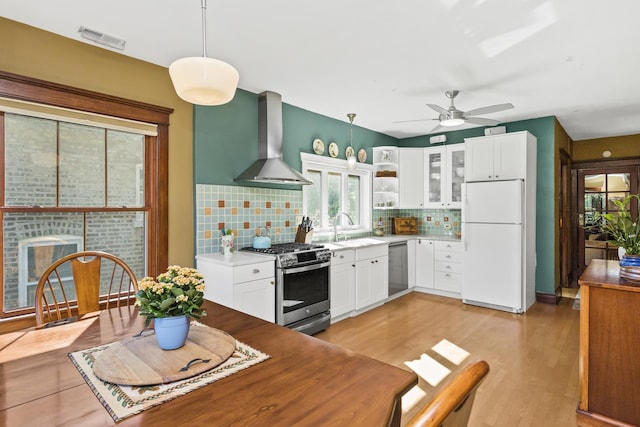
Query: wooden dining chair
{"x": 81, "y": 283}
{"x": 451, "y": 406}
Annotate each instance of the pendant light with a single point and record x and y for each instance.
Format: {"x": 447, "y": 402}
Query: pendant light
{"x": 351, "y": 160}
{"x": 201, "y": 80}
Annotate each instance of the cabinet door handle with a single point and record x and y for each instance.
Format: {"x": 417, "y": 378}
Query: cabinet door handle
{"x": 341, "y": 256}
{"x": 448, "y": 267}
{"x": 272, "y": 283}
{"x": 256, "y": 271}
{"x": 448, "y": 256}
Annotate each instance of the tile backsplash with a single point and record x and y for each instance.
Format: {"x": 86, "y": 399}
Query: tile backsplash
{"x": 244, "y": 209}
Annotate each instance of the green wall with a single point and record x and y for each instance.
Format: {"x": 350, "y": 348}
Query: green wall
{"x": 226, "y": 143}
{"x": 226, "y": 138}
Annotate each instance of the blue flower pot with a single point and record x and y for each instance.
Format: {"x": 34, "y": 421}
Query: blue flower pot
{"x": 630, "y": 268}
{"x": 171, "y": 332}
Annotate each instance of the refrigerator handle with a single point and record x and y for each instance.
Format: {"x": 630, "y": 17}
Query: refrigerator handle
{"x": 463, "y": 195}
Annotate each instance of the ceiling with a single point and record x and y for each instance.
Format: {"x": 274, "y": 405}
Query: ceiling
{"x": 385, "y": 60}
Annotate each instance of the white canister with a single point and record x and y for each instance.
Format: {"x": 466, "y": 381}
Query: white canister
{"x": 226, "y": 245}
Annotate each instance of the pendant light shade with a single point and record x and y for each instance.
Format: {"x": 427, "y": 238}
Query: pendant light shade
{"x": 351, "y": 160}
{"x": 201, "y": 80}
{"x": 204, "y": 81}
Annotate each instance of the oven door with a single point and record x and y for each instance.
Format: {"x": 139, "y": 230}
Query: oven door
{"x": 301, "y": 292}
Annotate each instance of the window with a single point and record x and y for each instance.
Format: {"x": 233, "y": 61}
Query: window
{"x": 336, "y": 189}
{"x": 67, "y": 182}
{"x": 80, "y": 171}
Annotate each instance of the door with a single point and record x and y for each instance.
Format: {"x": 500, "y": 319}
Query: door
{"x": 424, "y": 263}
{"x": 455, "y": 176}
{"x": 434, "y": 168}
{"x": 479, "y": 159}
{"x": 597, "y": 188}
{"x": 493, "y": 202}
{"x": 411, "y": 167}
{"x": 493, "y": 264}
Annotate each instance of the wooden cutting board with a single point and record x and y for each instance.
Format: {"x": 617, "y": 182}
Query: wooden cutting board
{"x": 408, "y": 225}
{"x": 140, "y": 360}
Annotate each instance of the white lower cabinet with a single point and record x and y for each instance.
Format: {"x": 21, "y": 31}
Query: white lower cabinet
{"x": 424, "y": 263}
{"x": 448, "y": 267}
{"x": 244, "y": 282}
{"x": 372, "y": 275}
{"x": 343, "y": 283}
{"x": 439, "y": 267}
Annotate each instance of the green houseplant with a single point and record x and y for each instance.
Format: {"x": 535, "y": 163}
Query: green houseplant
{"x": 170, "y": 300}
{"x": 622, "y": 229}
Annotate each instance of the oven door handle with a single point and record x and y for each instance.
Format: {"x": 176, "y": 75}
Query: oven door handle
{"x": 309, "y": 267}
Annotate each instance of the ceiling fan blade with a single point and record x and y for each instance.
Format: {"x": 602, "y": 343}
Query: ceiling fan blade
{"x": 489, "y": 109}
{"x": 481, "y": 121}
{"x": 437, "y": 128}
{"x": 416, "y": 120}
{"x": 438, "y": 109}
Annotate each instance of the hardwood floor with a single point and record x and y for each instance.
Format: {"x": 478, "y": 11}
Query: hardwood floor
{"x": 533, "y": 357}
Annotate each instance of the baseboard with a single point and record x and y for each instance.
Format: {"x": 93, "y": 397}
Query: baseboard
{"x": 548, "y": 298}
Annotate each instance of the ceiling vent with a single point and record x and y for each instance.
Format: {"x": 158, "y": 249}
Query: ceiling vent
{"x": 102, "y": 38}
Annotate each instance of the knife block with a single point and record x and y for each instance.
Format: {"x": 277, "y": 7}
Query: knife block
{"x": 303, "y": 236}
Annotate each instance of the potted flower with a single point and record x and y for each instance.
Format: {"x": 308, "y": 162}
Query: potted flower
{"x": 624, "y": 232}
{"x": 170, "y": 300}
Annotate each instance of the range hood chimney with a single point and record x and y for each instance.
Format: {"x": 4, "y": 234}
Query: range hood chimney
{"x": 269, "y": 168}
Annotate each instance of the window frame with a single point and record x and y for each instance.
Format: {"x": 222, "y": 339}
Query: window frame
{"x": 17, "y": 87}
{"x": 326, "y": 165}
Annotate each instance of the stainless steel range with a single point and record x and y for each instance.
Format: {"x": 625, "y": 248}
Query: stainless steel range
{"x": 302, "y": 285}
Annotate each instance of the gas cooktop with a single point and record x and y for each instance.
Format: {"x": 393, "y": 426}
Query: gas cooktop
{"x": 284, "y": 248}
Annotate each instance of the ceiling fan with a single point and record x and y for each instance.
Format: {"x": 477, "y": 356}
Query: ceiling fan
{"x": 453, "y": 117}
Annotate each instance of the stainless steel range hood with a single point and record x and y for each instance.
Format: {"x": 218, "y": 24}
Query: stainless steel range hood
{"x": 269, "y": 168}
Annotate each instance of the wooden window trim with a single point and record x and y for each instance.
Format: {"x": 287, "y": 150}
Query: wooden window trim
{"x": 14, "y": 86}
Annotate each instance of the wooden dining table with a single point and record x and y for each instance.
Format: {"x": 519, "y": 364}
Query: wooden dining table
{"x": 305, "y": 382}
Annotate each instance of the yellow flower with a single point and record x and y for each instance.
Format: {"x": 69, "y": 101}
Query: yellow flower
{"x": 181, "y": 298}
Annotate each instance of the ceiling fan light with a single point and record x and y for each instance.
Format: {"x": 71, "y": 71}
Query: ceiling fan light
{"x": 451, "y": 122}
{"x": 204, "y": 81}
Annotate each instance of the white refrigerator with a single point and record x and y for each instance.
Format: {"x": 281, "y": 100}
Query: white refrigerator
{"x": 499, "y": 263}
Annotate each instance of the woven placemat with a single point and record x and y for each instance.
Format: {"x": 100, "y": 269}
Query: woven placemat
{"x": 124, "y": 401}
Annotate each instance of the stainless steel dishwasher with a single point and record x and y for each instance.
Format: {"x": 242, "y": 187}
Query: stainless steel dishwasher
{"x": 398, "y": 267}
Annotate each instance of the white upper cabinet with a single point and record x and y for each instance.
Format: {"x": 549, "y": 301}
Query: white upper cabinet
{"x": 444, "y": 170}
{"x": 497, "y": 157}
{"x": 411, "y": 171}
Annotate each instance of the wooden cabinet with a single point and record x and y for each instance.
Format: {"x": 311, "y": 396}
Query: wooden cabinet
{"x": 372, "y": 274}
{"x": 385, "y": 178}
{"x": 343, "y": 282}
{"x": 411, "y": 180}
{"x": 244, "y": 282}
{"x": 444, "y": 169}
{"x": 497, "y": 157}
{"x": 609, "y": 337}
{"x": 424, "y": 263}
{"x": 448, "y": 267}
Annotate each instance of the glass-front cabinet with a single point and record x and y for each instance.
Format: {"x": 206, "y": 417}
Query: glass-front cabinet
{"x": 444, "y": 175}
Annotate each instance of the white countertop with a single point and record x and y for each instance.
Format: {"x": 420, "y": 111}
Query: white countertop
{"x": 389, "y": 238}
{"x": 237, "y": 258}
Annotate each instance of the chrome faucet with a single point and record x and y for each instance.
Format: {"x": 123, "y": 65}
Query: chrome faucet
{"x": 335, "y": 224}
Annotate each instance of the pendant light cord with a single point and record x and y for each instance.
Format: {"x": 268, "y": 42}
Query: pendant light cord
{"x": 204, "y": 28}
